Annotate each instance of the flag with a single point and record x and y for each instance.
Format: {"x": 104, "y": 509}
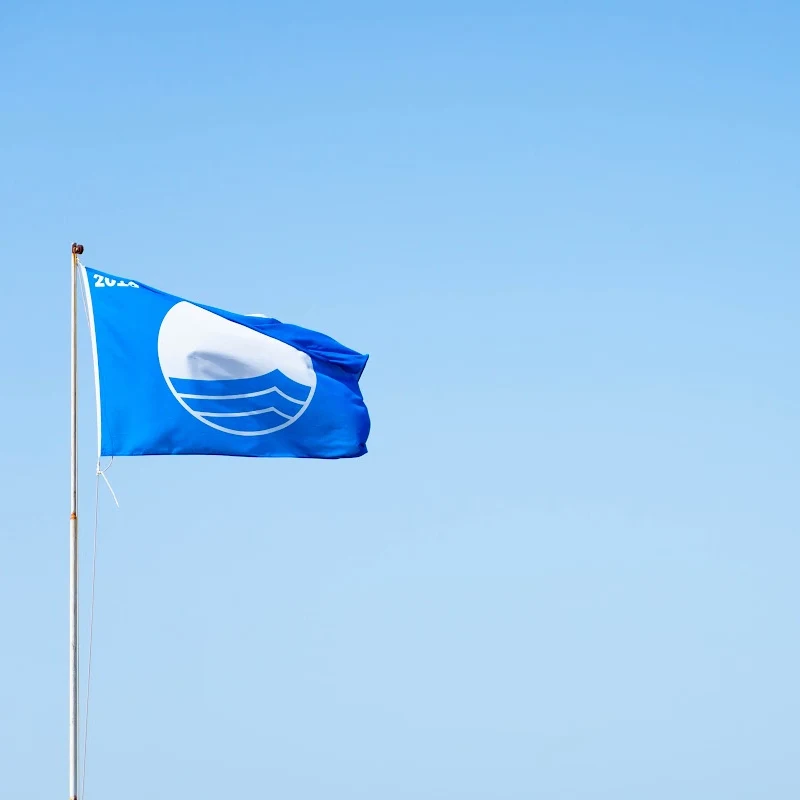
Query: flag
{"x": 175, "y": 377}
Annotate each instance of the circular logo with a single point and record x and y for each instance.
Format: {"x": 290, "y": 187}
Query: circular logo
{"x": 232, "y": 377}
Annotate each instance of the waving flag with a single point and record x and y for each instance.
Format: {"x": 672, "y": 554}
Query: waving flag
{"x": 175, "y": 377}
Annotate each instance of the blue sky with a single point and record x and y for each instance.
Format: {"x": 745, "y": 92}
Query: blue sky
{"x": 567, "y": 235}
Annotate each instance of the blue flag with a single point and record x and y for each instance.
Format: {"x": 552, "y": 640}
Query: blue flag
{"x": 175, "y": 377}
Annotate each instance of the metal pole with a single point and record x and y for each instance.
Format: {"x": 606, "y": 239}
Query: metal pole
{"x": 77, "y": 249}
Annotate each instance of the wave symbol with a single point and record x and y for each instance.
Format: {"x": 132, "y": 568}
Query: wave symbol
{"x": 244, "y": 405}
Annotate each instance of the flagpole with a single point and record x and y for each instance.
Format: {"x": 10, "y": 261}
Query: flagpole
{"x": 77, "y": 249}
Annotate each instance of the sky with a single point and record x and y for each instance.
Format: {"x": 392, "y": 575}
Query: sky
{"x": 566, "y": 234}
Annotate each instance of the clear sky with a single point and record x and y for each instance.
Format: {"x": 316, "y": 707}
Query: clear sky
{"x": 566, "y": 232}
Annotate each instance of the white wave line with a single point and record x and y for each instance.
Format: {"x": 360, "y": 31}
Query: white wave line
{"x": 240, "y": 396}
{"x": 246, "y": 413}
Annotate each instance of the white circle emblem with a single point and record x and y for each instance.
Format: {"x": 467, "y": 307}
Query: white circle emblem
{"x": 232, "y": 377}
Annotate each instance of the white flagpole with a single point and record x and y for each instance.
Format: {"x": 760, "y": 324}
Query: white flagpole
{"x": 77, "y": 249}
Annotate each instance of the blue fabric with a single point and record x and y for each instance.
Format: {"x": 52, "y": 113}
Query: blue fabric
{"x": 182, "y": 378}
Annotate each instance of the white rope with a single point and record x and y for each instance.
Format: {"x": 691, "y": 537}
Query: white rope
{"x": 100, "y": 473}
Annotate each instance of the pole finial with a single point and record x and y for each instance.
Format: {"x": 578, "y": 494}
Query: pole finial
{"x": 77, "y": 249}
